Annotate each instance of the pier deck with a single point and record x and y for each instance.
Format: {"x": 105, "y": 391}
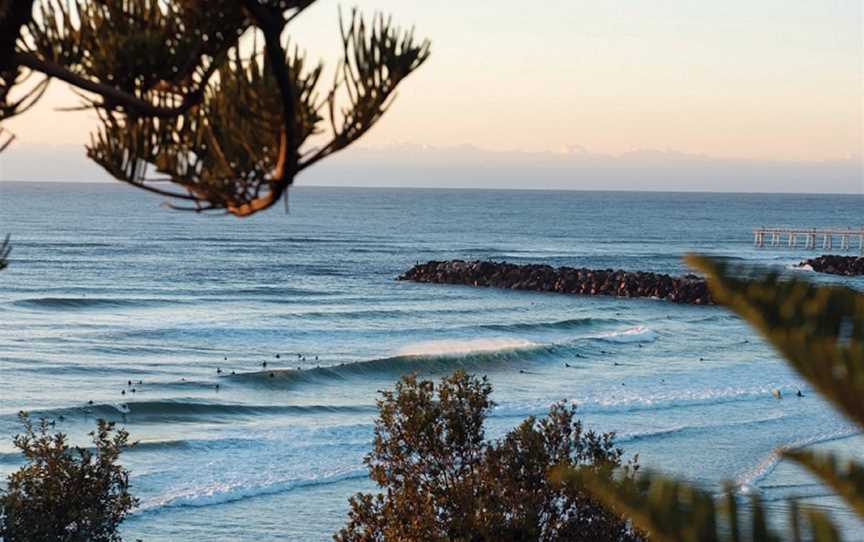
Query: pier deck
{"x": 774, "y": 237}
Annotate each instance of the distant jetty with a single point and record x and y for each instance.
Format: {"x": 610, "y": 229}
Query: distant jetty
{"x": 849, "y": 266}
{"x": 566, "y": 280}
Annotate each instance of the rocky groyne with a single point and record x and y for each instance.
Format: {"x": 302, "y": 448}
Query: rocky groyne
{"x": 566, "y": 280}
{"x": 849, "y": 266}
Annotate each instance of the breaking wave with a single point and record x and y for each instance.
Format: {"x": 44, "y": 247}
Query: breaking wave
{"x": 193, "y": 410}
{"x": 225, "y": 492}
{"x": 751, "y": 478}
{"x": 638, "y": 334}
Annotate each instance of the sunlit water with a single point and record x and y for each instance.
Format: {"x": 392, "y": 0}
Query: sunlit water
{"x": 106, "y": 287}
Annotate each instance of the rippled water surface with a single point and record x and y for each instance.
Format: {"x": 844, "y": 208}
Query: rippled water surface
{"x": 106, "y": 288}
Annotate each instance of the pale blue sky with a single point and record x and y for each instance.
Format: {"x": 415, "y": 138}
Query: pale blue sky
{"x": 767, "y": 80}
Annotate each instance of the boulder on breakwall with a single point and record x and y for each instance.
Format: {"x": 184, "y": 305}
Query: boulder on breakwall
{"x": 568, "y": 280}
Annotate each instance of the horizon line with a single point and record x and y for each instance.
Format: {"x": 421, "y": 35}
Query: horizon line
{"x": 481, "y": 189}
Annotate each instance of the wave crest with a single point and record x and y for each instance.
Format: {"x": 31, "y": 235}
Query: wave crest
{"x": 463, "y": 346}
{"x": 85, "y": 303}
{"x": 226, "y": 492}
{"x": 637, "y": 334}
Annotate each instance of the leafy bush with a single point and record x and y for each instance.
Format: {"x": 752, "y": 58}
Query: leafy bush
{"x": 63, "y": 493}
{"x": 444, "y": 481}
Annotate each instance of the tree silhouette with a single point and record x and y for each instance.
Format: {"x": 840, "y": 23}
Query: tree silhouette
{"x": 203, "y": 102}
{"x": 443, "y": 480}
{"x": 63, "y": 492}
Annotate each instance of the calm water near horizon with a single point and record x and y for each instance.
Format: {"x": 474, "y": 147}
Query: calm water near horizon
{"x": 106, "y": 287}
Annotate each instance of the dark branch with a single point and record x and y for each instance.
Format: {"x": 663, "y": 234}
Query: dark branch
{"x": 286, "y": 167}
{"x": 14, "y": 14}
{"x": 5, "y": 250}
{"x": 112, "y": 95}
{"x": 8, "y": 141}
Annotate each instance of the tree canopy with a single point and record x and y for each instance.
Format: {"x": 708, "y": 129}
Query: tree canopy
{"x": 66, "y": 493}
{"x": 206, "y": 103}
{"x": 444, "y": 480}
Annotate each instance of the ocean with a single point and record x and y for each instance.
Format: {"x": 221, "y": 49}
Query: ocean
{"x": 106, "y": 287}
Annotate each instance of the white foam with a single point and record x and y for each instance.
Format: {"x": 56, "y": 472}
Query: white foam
{"x": 651, "y": 433}
{"x": 617, "y": 401}
{"x": 122, "y": 408}
{"x": 748, "y": 481}
{"x": 221, "y": 492}
{"x": 463, "y": 346}
{"x": 640, "y": 435}
{"x": 638, "y": 334}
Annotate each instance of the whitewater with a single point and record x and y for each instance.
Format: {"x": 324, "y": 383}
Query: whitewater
{"x": 245, "y": 357}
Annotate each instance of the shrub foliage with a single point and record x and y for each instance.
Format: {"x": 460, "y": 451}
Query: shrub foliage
{"x": 65, "y": 493}
{"x": 443, "y": 480}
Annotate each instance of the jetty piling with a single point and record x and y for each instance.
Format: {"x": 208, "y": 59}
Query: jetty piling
{"x": 773, "y": 237}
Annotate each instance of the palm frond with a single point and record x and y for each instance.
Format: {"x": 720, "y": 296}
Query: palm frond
{"x": 844, "y": 476}
{"x": 670, "y": 510}
{"x": 818, "y": 329}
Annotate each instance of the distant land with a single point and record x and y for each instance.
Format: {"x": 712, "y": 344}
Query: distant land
{"x": 466, "y": 166}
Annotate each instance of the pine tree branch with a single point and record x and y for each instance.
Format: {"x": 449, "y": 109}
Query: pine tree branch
{"x": 286, "y": 167}
{"x": 14, "y": 14}
{"x": 10, "y": 138}
{"x": 112, "y": 95}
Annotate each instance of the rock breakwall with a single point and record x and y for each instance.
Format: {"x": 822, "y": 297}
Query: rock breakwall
{"x": 849, "y": 266}
{"x": 567, "y": 280}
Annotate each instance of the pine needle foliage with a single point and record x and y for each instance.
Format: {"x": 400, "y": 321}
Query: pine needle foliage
{"x": 819, "y": 329}
{"x": 205, "y": 102}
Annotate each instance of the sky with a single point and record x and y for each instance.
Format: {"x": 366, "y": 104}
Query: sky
{"x": 636, "y": 94}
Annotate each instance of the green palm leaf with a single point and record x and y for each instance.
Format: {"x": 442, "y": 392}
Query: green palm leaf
{"x": 846, "y": 477}
{"x": 670, "y": 510}
{"x": 818, "y": 329}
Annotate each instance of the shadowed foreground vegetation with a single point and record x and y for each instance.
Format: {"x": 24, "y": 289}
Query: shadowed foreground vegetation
{"x": 820, "y": 332}
{"x": 443, "y": 480}
{"x": 66, "y": 493}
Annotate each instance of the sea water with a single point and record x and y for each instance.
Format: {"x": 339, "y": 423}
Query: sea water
{"x": 106, "y": 287}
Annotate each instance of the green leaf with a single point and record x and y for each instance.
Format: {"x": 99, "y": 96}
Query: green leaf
{"x": 818, "y": 329}
{"x": 667, "y": 510}
{"x": 670, "y": 510}
{"x": 846, "y": 477}
{"x": 822, "y": 529}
